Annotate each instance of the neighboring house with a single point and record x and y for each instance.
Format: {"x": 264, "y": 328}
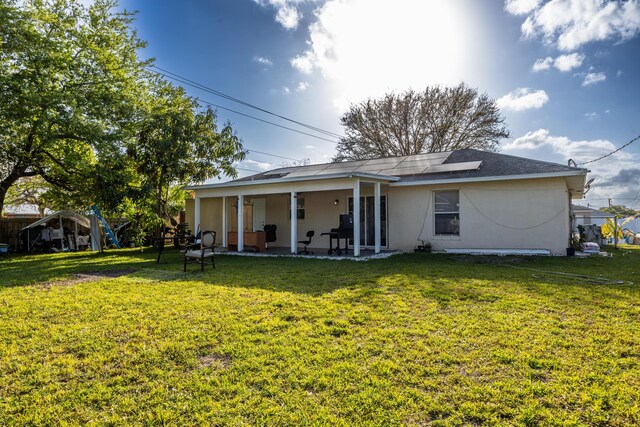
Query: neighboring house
{"x": 464, "y": 199}
{"x": 585, "y": 215}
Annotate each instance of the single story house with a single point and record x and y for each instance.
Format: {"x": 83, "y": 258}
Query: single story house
{"x": 454, "y": 200}
{"x": 585, "y": 215}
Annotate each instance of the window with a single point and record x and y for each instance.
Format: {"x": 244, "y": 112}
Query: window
{"x": 299, "y": 207}
{"x": 447, "y": 213}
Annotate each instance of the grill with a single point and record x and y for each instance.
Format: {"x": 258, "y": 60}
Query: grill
{"x": 343, "y": 232}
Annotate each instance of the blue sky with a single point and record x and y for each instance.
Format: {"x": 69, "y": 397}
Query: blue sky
{"x": 564, "y": 72}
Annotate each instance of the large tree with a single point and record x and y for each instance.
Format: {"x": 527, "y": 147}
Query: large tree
{"x": 436, "y": 119}
{"x": 69, "y": 81}
{"x": 178, "y": 143}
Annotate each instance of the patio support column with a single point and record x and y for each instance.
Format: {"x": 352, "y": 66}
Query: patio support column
{"x": 376, "y": 215}
{"x": 196, "y": 215}
{"x": 240, "y": 223}
{"x": 294, "y": 223}
{"x": 224, "y": 221}
{"x": 356, "y": 218}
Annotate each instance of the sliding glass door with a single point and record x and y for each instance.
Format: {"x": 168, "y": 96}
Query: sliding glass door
{"x": 367, "y": 220}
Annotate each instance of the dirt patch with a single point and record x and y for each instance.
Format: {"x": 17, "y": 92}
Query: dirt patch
{"x": 88, "y": 276}
{"x": 217, "y": 361}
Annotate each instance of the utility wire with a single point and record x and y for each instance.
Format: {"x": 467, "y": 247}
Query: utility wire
{"x": 613, "y": 152}
{"x": 187, "y": 81}
{"x": 265, "y": 121}
{"x": 249, "y": 151}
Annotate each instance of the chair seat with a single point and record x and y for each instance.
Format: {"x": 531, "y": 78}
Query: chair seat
{"x": 195, "y": 255}
{"x": 198, "y": 253}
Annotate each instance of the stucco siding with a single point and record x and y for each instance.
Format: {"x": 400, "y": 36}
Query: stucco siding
{"x": 524, "y": 214}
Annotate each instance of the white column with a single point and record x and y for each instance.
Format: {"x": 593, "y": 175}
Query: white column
{"x": 376, "y": 215}
{"x": 224, "y": 222}
{"x": 356, "y": 218}
{"x": 196, "y": 217}
{"x": 240, "y": 223}
{"x": 294, "y": 223}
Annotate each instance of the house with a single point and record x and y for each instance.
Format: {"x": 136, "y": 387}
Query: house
{"x": 585, "y": 215}
{"x": 463, "y": 199}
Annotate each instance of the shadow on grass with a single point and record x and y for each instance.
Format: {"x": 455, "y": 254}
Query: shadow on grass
{"x": 443, "y": 275}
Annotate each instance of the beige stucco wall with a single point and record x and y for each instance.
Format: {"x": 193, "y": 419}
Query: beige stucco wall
{"x": 522, "y": 214}
{"x": 518, "y": 214}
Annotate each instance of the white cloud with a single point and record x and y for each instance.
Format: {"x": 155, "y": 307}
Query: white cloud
{"x": 593, "y": 78}
{"x": 619, "y": 73}
{"x": 541, "y": 141}
{"x": 304, "y": 62}
{"x": 286, "y": 90}
{"x": 568, "y": 62}
{"x": 256, "y": 165}
{"x": 520, "y": 7}
{"x": 563, "y": 63}
{"x": 542, "y": 64}
{"x": 592, "y": 116}
{"x": 288, "y": 17}
{"x": 302, "y": 86}
{"x": 576, "y": 150}
{"x": 569, "y": 24}
{"x": 287, "y": 14}
{"x": 523, "y": 99}
{"x": 263, "y": 60}
{"x": 365, "y": 48}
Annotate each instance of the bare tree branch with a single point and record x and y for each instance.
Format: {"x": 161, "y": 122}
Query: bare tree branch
{"x": 436, "y": 119}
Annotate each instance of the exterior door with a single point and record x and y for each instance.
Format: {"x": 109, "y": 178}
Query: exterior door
{"x": 258, "y": 214}
{"x": 367, "y": 220}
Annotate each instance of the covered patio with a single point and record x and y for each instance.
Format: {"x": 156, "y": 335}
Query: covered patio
{"x": 295, "y": 205}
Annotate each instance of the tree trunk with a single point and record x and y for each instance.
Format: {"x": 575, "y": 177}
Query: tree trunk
{"x": 6, "y": 184}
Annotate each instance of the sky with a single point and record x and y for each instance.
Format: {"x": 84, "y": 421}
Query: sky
{"x": 563, "y": 72}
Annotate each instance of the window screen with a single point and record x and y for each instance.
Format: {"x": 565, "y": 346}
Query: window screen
{"x": 447, "y": 213}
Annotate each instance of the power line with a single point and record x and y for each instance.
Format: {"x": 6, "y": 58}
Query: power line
{"x": 264, "y": 121}
{"x": 249, "y": 150}
{"x": 613, "y": 152}
{"x": 200, "y": 86}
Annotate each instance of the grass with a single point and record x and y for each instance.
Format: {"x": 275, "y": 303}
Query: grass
{"x": 410, "y": 340}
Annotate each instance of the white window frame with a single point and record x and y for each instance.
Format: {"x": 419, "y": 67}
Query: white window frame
{"x": 435, "y": 213}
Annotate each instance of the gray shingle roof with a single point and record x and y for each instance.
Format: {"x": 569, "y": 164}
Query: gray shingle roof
{"x": 492, "y": 165}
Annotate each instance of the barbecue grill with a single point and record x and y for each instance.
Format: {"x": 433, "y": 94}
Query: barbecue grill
{"x": 344, "y": 231}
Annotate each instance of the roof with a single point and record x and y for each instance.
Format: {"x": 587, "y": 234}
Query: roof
{"x": 587, "y": 209}
{"x": 495, "y": 164}
{"x": 74, "y": 216}
{"x": 467, "y": 164}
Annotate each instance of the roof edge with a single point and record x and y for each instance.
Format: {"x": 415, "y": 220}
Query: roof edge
{"x": 231, "y": 184}
{"x": 491, "y": 178}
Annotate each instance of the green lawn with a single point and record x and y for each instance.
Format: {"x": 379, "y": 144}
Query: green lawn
{"x": 412, "y": 340}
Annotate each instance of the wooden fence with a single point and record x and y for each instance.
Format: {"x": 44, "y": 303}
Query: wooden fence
{"x": 10, "y": 231}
